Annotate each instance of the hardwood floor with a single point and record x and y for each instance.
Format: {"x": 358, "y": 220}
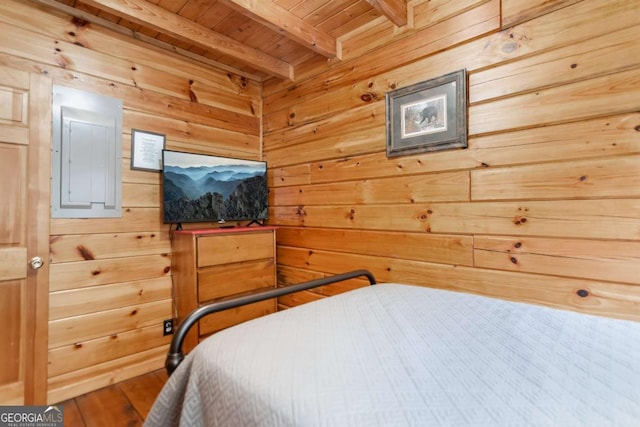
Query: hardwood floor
{"x": 123, "y": 404}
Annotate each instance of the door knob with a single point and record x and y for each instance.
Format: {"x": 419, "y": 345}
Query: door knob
{"x": 36, "y": 262}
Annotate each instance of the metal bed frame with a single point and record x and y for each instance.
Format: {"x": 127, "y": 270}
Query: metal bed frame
{"x": 175, "y": 354}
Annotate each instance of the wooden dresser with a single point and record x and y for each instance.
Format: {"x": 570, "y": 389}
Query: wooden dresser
{"x": 213, "y": 264}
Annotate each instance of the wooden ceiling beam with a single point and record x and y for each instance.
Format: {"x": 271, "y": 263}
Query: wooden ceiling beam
{"x": 88, "y": 17}
{"x": 282, "y": 21}
{"x": 394, "y": 10}
{"x": 144, "y": 13}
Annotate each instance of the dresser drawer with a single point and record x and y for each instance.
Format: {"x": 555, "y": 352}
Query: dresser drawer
{"x": 214, "y": 264}
{"x": 224, "y": 280}
{"x": 225, "y": 249}
{"x": 227, "y": 318}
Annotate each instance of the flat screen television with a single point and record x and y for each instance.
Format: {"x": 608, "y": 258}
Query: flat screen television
{"x": 205, "y": 188}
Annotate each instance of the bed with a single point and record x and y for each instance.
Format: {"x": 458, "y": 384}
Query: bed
{"x": 401, "y": 355}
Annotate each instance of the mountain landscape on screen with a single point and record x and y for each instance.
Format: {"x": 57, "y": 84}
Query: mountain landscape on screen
{"x": 203, "y": 193}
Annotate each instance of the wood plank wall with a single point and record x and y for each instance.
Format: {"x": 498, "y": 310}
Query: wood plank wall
{"x": 544, "y": 204}
{"x": 110, "y": 279}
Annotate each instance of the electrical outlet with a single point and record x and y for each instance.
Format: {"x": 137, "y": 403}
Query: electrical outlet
{"x": 167, "y": 327}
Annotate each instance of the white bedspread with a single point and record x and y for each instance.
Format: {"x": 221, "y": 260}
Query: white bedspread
{"x": 398, "y": 355}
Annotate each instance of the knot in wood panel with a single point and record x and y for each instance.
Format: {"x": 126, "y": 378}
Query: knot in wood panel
{"x": 79, "y": 23}
{"x": 369, "y": 97}
{"x": 85, "y": 253}
{"x": 582, "y": 293}
{"x": 519, "y": 220}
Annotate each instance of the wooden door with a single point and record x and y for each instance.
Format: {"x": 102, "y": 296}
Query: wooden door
{"x": 25, "y": 162}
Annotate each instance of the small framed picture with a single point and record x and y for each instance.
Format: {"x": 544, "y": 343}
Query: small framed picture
{"x": 146, "y": 150}
{"x": 428, "y": 116}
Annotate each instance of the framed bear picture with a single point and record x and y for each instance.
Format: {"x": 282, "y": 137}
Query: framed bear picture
{"x": 428, "y": 116}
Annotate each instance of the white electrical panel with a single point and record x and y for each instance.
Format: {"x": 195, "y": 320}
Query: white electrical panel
{"x": 87, "y": 155}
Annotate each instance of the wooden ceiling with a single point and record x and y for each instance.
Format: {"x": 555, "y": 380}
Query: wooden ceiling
{"x": 259, "y": 39}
